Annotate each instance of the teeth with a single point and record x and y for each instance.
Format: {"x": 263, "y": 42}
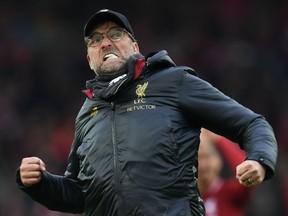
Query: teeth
{"x": 110, "y": 56}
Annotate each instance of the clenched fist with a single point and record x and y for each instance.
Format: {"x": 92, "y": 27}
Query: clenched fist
{"x": 30, "y": 170}
{"x": 250, "y": 173}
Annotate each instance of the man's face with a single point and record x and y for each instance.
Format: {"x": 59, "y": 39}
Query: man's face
{"x": 110, "y": 56}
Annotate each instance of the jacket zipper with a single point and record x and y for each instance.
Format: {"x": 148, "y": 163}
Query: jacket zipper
{"x": 115, "y": 162}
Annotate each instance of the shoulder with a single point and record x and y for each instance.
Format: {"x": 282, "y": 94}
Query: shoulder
{"x": 174, "y": 72}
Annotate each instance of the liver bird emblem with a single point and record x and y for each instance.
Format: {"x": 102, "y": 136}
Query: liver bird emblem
{"x": 140, "y": 90}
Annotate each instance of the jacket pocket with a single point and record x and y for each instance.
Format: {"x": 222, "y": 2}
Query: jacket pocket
{"x": 179, "y": 209}
{"x": 173, "y": 140}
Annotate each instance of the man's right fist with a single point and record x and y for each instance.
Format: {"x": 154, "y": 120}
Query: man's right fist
{"x": 30, "y": 170}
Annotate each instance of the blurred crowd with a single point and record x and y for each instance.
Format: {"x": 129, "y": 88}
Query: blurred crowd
{"x": 240, "y": 46}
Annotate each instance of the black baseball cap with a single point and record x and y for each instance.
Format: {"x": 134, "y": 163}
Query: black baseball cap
{"x": 107, "y": 15}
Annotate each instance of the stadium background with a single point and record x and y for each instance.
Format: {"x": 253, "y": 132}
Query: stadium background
{"x": 239, "y": 46}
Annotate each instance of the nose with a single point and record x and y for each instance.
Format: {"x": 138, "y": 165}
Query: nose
{"x": 106, "y": 42}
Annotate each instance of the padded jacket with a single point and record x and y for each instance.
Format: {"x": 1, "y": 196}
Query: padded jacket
{"x": 136, "y": 142}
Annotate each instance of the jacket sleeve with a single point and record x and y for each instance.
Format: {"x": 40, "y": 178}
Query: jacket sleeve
{"x": 59, "y": 193}
{"x": 208, "y": 107}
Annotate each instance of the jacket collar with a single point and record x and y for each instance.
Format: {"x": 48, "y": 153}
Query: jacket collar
{"x": 137, "y": 65}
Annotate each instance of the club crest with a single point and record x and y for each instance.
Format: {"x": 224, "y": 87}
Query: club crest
{"x": 140, "y": 90}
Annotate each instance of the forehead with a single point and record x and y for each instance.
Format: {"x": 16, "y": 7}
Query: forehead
{"x": 104, "y": 26}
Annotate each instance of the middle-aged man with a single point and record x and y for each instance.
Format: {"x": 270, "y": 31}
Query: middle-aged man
{"x": 137, "y": 134}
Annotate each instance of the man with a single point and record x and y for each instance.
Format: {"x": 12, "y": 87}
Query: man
{"x": 222, "y": 195}
{"x": 137, "y": 134}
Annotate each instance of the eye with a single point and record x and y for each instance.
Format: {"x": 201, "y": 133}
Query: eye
{"x": 115, "y": 34}
{"x": 96, "y": 38}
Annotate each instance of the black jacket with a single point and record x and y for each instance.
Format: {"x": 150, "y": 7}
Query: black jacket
{"x": 136, "y": 141}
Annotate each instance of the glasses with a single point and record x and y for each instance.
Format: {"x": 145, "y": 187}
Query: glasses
{"x": 113, "y": 34}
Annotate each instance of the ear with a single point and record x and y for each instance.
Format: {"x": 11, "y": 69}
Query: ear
{"x": 89, "y": 61}
{"x": 136, "y": 47}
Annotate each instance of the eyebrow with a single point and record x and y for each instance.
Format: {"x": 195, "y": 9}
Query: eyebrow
{"x": 95, "y": 30}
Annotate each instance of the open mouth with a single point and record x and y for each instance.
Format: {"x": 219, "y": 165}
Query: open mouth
{"x": 110, "y": 56}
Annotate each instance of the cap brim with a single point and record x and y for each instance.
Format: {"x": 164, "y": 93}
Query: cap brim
{"x": 102, "y": 17}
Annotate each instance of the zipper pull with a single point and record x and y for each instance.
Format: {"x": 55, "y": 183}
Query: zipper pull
{"x": 113, "y": 106}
